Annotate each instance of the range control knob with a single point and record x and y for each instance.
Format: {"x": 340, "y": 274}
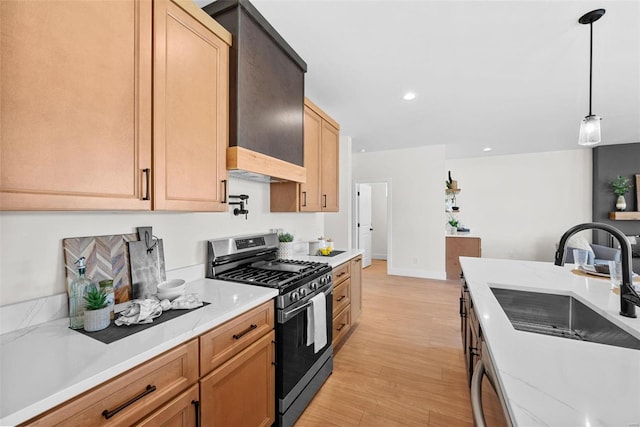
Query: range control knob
{"x": 303, "y": 292}
{"x": 324, "y": 280}
{"x": 294, "y": 296}
{"x": 313, "y": 286}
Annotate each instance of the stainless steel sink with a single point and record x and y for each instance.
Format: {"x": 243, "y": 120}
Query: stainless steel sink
{"x": 561, "y": 316}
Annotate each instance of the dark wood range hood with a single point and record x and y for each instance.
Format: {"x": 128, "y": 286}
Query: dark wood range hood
{"x": 266, "y": 90}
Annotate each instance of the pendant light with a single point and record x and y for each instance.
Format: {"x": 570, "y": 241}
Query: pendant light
{"x": 590, "y": 126}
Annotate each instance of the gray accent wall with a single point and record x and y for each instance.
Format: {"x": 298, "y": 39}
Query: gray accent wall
{"x": 609, "y": 161}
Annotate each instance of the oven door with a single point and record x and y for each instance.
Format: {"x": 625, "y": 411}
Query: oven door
{"x": 296, "y": 359}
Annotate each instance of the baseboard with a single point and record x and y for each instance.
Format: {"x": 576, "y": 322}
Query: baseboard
{"x": 379, "y": 256}
{"x": 422, "y": 274}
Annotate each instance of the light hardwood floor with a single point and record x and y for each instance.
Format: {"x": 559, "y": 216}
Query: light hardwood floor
{"x": 402, "y": 364}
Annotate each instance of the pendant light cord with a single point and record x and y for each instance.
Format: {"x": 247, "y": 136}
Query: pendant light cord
{"x": 590, "y": 62}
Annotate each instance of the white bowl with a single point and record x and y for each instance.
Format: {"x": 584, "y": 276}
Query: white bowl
{"x": 171, "y": 289}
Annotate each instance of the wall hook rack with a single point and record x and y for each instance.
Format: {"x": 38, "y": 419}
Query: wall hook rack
{"x": 244, "y": 200}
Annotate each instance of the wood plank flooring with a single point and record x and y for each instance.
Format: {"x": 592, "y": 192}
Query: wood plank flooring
{"x": 402, "y": 364}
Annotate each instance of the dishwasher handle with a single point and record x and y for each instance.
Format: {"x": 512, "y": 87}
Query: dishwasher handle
{"x": 481, "y": 369}
{"x": 476, "y": 395}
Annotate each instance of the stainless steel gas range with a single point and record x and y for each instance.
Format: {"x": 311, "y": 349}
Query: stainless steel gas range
{"x": 302, "y": 364}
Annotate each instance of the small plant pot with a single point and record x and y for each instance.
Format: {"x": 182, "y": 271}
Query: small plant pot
{"x": 97, "y": 320}
{"x": 621, "y": 203}
{"x": 285, "y": 250}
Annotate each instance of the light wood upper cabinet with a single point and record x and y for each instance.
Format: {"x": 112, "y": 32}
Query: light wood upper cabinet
{"x": 77, "y": 124}
{"x": 330, "y": 167}
{"x": 310, "y": 191}
{"x": 190, "y": 115}
{"x": 321, "y": 159}
{"x": 75, "y": 104}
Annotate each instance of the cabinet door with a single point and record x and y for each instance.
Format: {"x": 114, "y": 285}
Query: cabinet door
{"x": 75, "y": 104}
{"x": 191, "y": 71}
{"x": 241, "y": 392}
{"x": 310, "y": 191}
{"x": 356, "y": 288}
{"x": 183, "y": 411}
{"x": 330, "y": 167}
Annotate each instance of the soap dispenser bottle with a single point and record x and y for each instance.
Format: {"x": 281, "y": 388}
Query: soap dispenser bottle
{"x": 77, "y": 291}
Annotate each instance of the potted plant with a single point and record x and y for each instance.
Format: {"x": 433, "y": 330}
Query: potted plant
{"x": 620, "y": 187}
{"x": 285, "y": 249}
{"x": 97, "y": 311}
{"x": 452, "y": 225}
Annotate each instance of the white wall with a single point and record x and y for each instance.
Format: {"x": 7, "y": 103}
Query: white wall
{"x": 31, "y": 258}
{"x": 337, "y": 225}
{"x": 379, "y": 220}
{"x": 520, "y": 205}
{"x": 417, "y": 213}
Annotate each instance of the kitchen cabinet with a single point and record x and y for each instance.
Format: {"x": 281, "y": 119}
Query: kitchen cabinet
{"x": 457, "y": 246}
{"x": 474, "y": 350}
{"x": 183, "y": 411}
{"x": 190, "y": 109}
{"x": 320, "y": 192}
{"x": 242, "y": 390}
{"x": 238, "y": 371}
{"x": 226, "y": 376}
{"x": 133, "y": 395}
{"x": 343, "y": 289}
{"x": 96, "y": 110}
{"x": 356, "y": 287}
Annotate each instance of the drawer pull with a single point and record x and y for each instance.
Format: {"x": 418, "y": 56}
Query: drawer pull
{"x": 341, "y": 274}
{"x": 341, "y": 298}
{"x": 196, "y": 406}
{"x": 241, "y": 334}
{"x": 108, "y": 414}
{"x": 341, "y": 327}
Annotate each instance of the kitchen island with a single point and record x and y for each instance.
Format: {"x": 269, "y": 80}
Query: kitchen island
{"x": 551, "y": 381}
{"x": 45, "y": 365}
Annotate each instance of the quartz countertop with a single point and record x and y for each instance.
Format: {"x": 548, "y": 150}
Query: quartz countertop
{"x": 551, "y": 381}
{"x": 333, "y": 261}
{"x": 47, "y": 364}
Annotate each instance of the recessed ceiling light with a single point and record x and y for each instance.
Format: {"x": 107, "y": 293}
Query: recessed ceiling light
{"x": 487, "y": 149}
{"x": 362, "y": 150}
{"x": 409, "y": 96}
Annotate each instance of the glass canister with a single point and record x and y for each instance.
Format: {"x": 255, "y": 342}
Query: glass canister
{"x": 107, "y": 289}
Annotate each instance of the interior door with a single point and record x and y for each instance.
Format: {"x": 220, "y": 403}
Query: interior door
{"x": 364, "y": 222}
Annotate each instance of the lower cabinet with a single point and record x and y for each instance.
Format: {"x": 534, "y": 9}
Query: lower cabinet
{"x": 474, "y": 349}
{"x": 457, "y": 246}
{"x": 347, "y": 297}
{"x": 225, "y": 377}
{"x": 241, "y": 392}
{"x": 183, "y": 411}
{"x": 133, "y": 395}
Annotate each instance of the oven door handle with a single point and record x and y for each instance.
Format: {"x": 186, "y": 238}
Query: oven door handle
{"x": 289, "y": 314}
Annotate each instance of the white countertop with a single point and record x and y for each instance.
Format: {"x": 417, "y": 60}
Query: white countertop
{"x": 333, "y": 261}
{"x": 45, "y": 365}
{"x": 550, "y": 381}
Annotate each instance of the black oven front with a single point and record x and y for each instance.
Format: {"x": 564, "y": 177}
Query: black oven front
{"x": 300, "y": 371}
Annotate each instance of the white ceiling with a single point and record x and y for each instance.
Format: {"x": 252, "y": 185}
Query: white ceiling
{"x": 510, "y": 75}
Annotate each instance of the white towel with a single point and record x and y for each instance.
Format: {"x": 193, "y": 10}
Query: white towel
{"x": 317, "y": 322}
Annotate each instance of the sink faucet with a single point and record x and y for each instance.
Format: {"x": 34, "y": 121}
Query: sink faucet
{"x": 628, "y": 296}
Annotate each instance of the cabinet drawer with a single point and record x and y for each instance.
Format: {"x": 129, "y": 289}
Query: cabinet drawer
{"x": 145, "y": 388}
{"x": 229, "y": 339}
{"x": 241, "y": 392}
{"x": 341, "y": 296}
{"x": 341, "y": 273}
{"x": 183, "y": 411}
{"x": 341, "y": 325}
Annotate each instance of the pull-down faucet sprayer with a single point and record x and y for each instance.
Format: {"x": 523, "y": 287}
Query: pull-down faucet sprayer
{"x": 628, "y": 296}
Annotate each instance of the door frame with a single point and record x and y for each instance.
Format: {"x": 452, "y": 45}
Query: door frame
{"x": 354, "y": 206}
